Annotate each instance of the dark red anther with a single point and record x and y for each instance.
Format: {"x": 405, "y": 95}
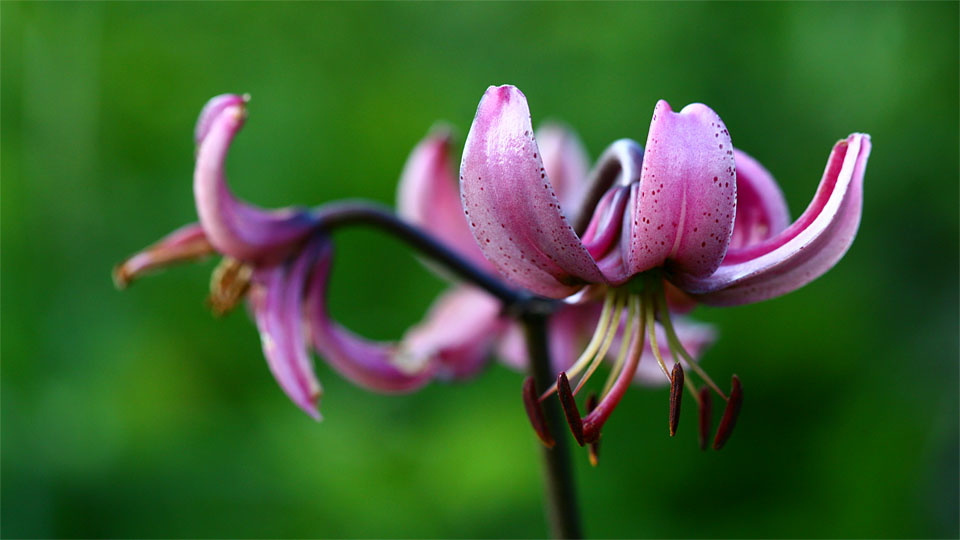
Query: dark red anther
{"x": 706, "y": 417}
{"x": 729, "y": 414}
{"x": 535, "y": 412}
{"x": 676, "y": 395}
{"x": 593, "y": 447}
{"x": 570, "y": 407}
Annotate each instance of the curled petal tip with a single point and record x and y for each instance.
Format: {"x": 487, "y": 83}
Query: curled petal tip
{"x": 805, "y": 250}
{"x": 214, "y": 107}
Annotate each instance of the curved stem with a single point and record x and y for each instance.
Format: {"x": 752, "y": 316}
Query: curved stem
{"x": 560, "y": 494}
{"x": 333, "y": 216}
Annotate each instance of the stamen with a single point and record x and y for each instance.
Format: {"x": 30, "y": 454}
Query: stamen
{"x": 677, "y": 347}
{"x": 535, "y": 412}
{"x": 706, "y": 417}
{"x": 570, "y": 407}
{"x": 595, "y": 420}
{"x": 622, "y": 355}
{"x": 729, "y": 414}
{"x": 676, "y": 395}
{"x": 587, "y": 355}
{"x": 228, "y": 285}
{"x": 618, "y": 306}
{"x": 594, "y": 447}
{"x": 653, "y": 339}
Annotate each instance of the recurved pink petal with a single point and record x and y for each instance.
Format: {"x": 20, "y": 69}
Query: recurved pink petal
{"x": 566, "y": 162}
{"x": 803, "y": 251}
{"x": 187, "y": 243}
{"x": 235, "y": 228}
{"x": 376, "y": 366}
{"x": 761, "y": 209}
{"x": 277, "y": 301}
{"x": 458, "y": 332}
{"x": 511, "y": 206}
{"x": 694, "y": 337}
{"x": 428, "y": 196}
{"x": 684, "y": 205}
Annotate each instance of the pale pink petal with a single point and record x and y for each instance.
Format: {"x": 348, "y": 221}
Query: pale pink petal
{"x": 684, "y": 205}
{"x": 569, "y": 330}
{"x": 234, "y": 227}
{"x": 376, "y": 366}
{"x": 458, "y": 332}
{"x": 566, "y": 162}
{"x": 428, "y": 196}
{"x": 185, "y": 244}
{"x": 694, "y": 337}
{"x": 804, "y": 250}
{"x": 277, "y": 301}
{"x": 761, "y": 209}
{"x": 511, "y": 206}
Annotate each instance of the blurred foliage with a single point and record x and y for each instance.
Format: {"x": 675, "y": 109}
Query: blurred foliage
{"x": 138, "y": 415}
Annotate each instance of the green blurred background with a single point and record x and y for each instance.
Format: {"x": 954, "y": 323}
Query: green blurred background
{"x": 139, "y": 415}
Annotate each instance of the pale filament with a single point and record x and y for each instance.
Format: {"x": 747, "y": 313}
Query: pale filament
{"x": 598, "y": 337}
{"x": 618, "y": 307}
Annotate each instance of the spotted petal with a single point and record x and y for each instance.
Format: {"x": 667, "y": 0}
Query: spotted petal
{"x": 803, "y": 251}
{"x": 233, "y": 227}
{"x": 511, "y": 206}
{"x": 684, "y": 205}
{"x": 566, "y": 163}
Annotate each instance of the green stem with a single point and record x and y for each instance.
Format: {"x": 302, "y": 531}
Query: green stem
{"x": 560, "y": 494}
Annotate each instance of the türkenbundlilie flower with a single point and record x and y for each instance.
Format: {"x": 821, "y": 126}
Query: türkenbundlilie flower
{"x": 280, "y": 262}
{"x": 687, "y": 219}
{"x": 428, "y": 198}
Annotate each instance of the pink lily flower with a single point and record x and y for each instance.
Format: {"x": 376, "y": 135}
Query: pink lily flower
{"x": 428, "y": 197}
{"x": 689, "y": 210}
{"x": 280, "y": 262}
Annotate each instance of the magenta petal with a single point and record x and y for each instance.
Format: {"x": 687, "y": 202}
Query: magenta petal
{"x": 233, "y": 227}
{"x": 428, "y": 196}
{"x": 278, "y": 309}
{"x": 514, "y": 214}
{"x": 694, "y": 337}
{"x": 683, "y": 208}
{"x": 188, "y": 243}
{"x": 804, "y": 250}
{"x": 458, "y": 332}
{"x": 761, "y": 209}
{"x": 376, "y": 366}
{"x": 566, "y": 162}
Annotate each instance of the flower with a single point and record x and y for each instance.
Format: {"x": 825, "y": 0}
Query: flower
{"x": 428, "y": 197}
{"x": 280, "y": 260}
{"x": 689, "y": 210}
